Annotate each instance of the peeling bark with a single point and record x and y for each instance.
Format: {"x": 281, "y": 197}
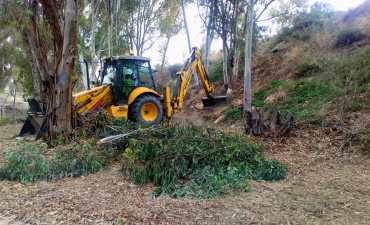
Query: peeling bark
{"x": 63, "y": 98}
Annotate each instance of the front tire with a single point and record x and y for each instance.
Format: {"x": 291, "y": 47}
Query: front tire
{"x": 146, "y": 109}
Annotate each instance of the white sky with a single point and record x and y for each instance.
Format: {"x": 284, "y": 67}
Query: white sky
{"x": 178, "y": 47}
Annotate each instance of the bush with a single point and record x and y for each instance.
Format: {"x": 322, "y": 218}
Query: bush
{"x": 173, "y": 69}
{"x": 215, "y": 71}
{"x": 213, "y": 162}
{"x": 348, "y": 36}
{"x": 307, "y": 67}
{"x": 27, "y": 162}
{"x": 306, "y": 23}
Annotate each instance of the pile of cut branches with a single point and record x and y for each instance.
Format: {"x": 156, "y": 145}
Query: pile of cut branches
{"x": 213, "y": 161}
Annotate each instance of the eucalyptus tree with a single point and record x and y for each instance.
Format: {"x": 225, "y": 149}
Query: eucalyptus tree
{"x": 49, "y": 30}
{"x": 141, "y": 23}
{"x": 170, "y": 25}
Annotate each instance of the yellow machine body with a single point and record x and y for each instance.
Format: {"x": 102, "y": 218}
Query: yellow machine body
{"x": 102, "y": 98}
{"x": 127, "y": 90}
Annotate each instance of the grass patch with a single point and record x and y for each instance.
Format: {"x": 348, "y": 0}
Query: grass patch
{"x": 5, "y": 120}
{"x": 260, "y": 95}
{"x": 233, "y": 114}
{"x": 305, "y": 97}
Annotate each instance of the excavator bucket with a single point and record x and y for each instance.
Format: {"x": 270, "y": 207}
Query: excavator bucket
{"x": 35, "y": 124}
{"x": 218, "y": 101}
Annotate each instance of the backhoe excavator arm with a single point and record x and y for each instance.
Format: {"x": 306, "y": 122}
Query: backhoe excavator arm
{"x": 194, "y": 62}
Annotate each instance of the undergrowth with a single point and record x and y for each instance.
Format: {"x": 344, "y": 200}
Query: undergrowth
{"x": 305, "y": 97}
{"x": 28, "y": 162}
{"x": 181, "y": 161}
{"x": 233, "y": 114}
{"x": 74, "y": 154}
{"x": 338, "y": 81}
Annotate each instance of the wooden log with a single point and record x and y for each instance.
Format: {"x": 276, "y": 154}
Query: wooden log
{"x": 287, "y": 124}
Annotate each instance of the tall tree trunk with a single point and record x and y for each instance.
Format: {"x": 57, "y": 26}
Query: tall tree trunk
{"x": 224, "y": 46}
{"x": 164, "y": 57}
{"x": 83, "y": 70}
{"x": 224, "y": 64}
{"x": 236, "y": 65}
{"x": 110, "y": 26}
{"x": 209, "y": 37}
{"x": 61, "y": 102}
{"x": 236, "y": 48}
{"x": 118, "y": 16}
{"x": 189, "y": 44}
{"x": 248, "y": 55}
{"x": 35, "y": 75}
{"x": 93, "y": 51}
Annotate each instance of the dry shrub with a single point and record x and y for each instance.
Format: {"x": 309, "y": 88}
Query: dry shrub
{"x": 362, "y": 23}
{"x": 348, "y": 36}
{"x": 322, "y": 39}
{"x": 294, "y": 54}
{"x": 281, "y": 94}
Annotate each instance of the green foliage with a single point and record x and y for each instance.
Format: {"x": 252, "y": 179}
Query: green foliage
{"x": 27, "y": 162}
{"x": 173, "y": 69}
{"x": 215, "y": 70}
{"x": 305, "y": 98}
{"x": 306, "y": 23}
{"x": 213, "y": 162}
{"x": 348, "y": 36}
{"x": 233, "y": 114}
{"x": 260, "y": 95}
{"x": 306, "y": 67}
{"x": 5, "y": 120}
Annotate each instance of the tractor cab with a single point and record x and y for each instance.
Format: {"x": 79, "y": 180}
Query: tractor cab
{"x": 126, "y": 73}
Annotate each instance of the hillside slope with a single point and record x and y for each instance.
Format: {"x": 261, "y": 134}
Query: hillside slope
{"x": 318, "y": 68}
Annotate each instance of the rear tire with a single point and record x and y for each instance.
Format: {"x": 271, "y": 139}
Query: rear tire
{"x": 146, "y": 109}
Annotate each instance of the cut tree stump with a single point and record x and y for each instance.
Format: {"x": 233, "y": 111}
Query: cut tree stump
{"x": 287, "y": 124}
{"x": 274, "y": 118}
{"x": 254, "y": 122}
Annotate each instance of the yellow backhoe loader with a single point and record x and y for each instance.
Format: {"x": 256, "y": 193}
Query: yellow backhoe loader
{"x": 127, "y": 89}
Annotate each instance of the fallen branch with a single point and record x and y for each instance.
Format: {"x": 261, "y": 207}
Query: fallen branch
{"x": 113, "y": 138}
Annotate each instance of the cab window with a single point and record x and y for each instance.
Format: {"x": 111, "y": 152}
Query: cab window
{"x": 146, "y": 76}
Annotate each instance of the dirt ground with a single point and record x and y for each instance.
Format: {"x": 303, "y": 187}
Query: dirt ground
{"x": 326, "y": 185}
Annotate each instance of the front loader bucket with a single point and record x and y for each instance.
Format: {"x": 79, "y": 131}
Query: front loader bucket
{"x": 33, "y": 128}
{"x": 35, "y": 124}
{"x": 218, "y": 101}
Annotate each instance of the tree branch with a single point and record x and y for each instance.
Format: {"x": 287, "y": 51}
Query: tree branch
{"x": 266, "y": 6}
{"x": 271, "y": 17}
